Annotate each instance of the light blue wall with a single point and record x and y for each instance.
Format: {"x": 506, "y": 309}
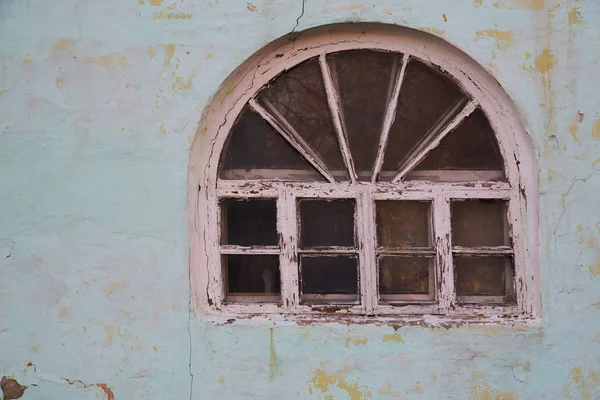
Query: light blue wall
{"x": 99, "y": 101}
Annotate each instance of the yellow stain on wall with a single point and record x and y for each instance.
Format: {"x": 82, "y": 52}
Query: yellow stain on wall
{"x": 574, "y": 17}
{"x": 483, "y": 391}
{"x": 595, "y": 162}
{"x": 272, "y": 355}
{"x": 387, "y": 391}
{"x": 59, "y": 82}
{"x": 62, "y": 45}
{"x": 574, "y": 126}
{"x": 595, "y": 268}
{"x": 163, "y": 130}
{"x": 251, "y": 7}
{"x": 156, "y": 3}
{"x": 503, "y": 38}
{"x": 435, "y": 31}
{"x": 170, "y": 13}
{"x": 534, "y": 5}
{"x": 26, "y": 61}
{"x": 181, "y": 84}
{"x": 169, "y": 53}
{"x": 356, "y": 341}
{"x": 585, "y": 383}
{"x": 151, "y": 52}
{"x": 321, "y": 380}
{"x": 392, "y": 338}
{"x": 596, "y": 130}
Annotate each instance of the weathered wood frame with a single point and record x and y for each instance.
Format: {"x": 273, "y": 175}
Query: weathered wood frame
{"x": 205, "y": 189}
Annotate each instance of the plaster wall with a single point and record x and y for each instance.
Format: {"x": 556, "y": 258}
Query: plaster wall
{"x": 99, "y": 104}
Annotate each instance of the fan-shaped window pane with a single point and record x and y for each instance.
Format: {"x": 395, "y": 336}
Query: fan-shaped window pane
{"x": 471, "y": 146}
{"x": 255, "y": 150}
{"x": 428, "y": 98}
{"x": 297, "y": 98}
{"x": 365, "y": 80}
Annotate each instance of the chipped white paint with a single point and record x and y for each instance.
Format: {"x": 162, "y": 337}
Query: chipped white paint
{"x": 513, "y": 142}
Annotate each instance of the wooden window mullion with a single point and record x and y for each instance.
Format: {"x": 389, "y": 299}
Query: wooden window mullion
{"x": 287, "y": 224}
{"x": 365, "y": 229}
{"x": 446, "y": 293}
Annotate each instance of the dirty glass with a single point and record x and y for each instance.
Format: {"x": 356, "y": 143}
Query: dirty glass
{"x": 326, "y": 223}
{"x": 479, "y": 223}
{"x": 483, "y": 276}
{"x": 403, "y": 223}
{"x": 427, "y": 96}
{"x": 404, "y": 275}
{"x": 298, "y": 96}
{"x": 254, "y": 150}
{"x": 364, "y": 79}
{"x": 471, "y": 146}
{"x": 252, "y": 275}
{"x": 329, "y": 275}
{"x": 249, "y": 222}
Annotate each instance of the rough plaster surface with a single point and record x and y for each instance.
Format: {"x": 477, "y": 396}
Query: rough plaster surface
{"x": 98, "y": 104}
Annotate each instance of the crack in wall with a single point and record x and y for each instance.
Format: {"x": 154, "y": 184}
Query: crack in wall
{"x": 300, "y": 16}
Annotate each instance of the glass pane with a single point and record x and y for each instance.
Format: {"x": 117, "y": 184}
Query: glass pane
{"x": 254, "y": 150}
{"x": 326, "y": 223}
{"x": 403, "y": 224}
{"x": 483, "y": 276}
{"x": 298, "y": 95}
{"x": 404, "y": 275}
{"x": 326, "y": 275}
{"x": 479, "y": 223}
{"x": 471, "y": 146}
{"x": 252, "y": 275}
{"x": 365, "y": 79}
{"x": 427, "y": 96}
{"x": 249, "y": 222}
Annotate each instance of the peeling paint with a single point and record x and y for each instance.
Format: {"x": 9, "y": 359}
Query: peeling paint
{"x": 393, "y": 338}
{"x": 321, "y": 380}
{"x": 574, "y": 17}
{"x": 596, "y": 130}
{"x": 170, "y": 13}
{"x": 11, "y": 388}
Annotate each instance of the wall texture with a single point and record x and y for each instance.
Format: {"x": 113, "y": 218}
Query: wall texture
{"x": 99, "y": 101}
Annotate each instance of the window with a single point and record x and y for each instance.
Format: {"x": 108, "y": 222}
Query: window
{"x": 364, "y": 179}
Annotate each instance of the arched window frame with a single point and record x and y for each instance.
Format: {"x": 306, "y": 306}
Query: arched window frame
{"x": 244, "y": 83}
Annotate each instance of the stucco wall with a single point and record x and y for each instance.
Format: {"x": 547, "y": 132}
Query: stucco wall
{"x": 99, "y": 102}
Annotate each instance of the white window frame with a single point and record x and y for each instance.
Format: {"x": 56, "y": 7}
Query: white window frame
{"x": 205, "y": 189}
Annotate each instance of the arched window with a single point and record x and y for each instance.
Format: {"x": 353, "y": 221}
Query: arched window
{"x": 363, "y": 170}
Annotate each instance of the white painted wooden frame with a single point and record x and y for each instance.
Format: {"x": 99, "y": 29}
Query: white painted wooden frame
{"x": 240, "y": 88}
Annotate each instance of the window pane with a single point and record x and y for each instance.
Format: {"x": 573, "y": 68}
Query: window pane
{"x": 471, "y": 146}
{"x": 249, "y": 222}
{"x": 326, "y": 223}
{"x": 483, "y": 276}
{"x": 254, "y": 150}
{"x": 403, "y": 224}
{"x": 365, "y": 79}
{"x": 252, "y": 275}
{"x": 299, "y": 96}
{"x": 328, "y": 275}
{"x": 479, "y": 223}
{"x": 404, "y": 275}
{"x": 427, "y": 95}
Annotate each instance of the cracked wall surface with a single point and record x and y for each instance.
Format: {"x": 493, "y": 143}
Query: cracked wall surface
{"x": 99, "y": 102}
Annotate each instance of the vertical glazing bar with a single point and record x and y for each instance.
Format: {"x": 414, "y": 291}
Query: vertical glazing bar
{"x": 365, "y": 229}
{"x": 446, "y": 294}
{"x": 288, "y": 241}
